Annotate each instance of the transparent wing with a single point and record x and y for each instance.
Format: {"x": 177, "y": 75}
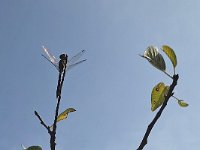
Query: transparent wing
{"x": 77, "y": 63}
{"x": 76, "y": 57}
{"x": 55, "y": 64}
{"x": 50, "y": 57}
{"x": 71, "y": 62}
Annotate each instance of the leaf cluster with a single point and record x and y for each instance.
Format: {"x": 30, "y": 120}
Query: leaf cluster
{"x": 156, "y": 59}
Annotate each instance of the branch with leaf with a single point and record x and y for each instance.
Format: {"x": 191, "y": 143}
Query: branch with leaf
{"x": 52, "y": 129}
{"x": 61, "y": 66}
{"x": 161, "y": 93}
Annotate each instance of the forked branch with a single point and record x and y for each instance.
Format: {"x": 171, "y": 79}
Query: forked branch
{"x": 52, "y": 130}
{"x": 151, "y": 125}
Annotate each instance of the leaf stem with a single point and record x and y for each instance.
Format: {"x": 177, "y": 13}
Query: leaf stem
{"x": 174, "y": 71}
{"x": 175, "y": 97}
{"x": 168, "y": 75}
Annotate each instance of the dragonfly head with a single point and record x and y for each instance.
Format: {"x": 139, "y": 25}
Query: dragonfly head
{"x": 63, "y": 56}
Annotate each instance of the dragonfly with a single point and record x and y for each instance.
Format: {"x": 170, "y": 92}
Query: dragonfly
{"x": 71, "y": 62}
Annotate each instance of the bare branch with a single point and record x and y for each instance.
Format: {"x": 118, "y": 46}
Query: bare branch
{"x": 58, "y": 95}
{"x": 62, "y": 71}
{"x": 42, "y": 122}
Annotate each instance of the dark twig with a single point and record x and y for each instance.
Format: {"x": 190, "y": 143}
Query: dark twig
{"x": 151, "y": 125}
{"x": 58, "y": 95}
{"x": 52, "y": 130}
{"x": 53, "y": 135}
{"x": 62, "y": 70}
{"x": 42, "y": 122}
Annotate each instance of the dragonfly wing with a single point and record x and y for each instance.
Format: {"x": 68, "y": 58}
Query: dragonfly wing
{"x": 77, "y": 63}
{"x": 50, "y": 56}
{"x": 76, "y": 57}
{"x": 55, "y": 64}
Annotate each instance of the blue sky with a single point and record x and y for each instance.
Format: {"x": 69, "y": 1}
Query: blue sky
{"x": 111, "y": 90}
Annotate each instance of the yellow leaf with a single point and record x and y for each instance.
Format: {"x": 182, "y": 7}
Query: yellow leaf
{"x": 170, "y": 53}
{"x": 63, "y": 116}
{"x": 65, "y": 113}
{"x": 182, "y": 103}
{"x": 158, "y": 95}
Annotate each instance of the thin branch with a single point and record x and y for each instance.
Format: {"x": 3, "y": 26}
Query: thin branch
{"x": 52, "y": 131}
{"x": 53, "y": 135}
{"x": 42, "y": 122}
{"x": 58, "y": 95}
{"x": 151, "y": 125}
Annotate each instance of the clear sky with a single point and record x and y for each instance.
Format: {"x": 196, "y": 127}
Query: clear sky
{"x": 111, "y": 90}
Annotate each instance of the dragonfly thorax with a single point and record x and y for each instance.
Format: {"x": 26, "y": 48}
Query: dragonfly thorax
{"x": 63, "y": 57}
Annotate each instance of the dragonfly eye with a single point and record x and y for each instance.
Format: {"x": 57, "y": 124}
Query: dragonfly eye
{"x": 63, "y": 56}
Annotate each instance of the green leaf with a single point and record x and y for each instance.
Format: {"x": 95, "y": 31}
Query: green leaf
{"x": 182, "y": 103}
{"x": 32, "y": 148}
{"x": 155, "y": 58}
{"x": 158, "y": 95}
{"x": 170, "y": 53}
{"x": 64, "y": 114}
